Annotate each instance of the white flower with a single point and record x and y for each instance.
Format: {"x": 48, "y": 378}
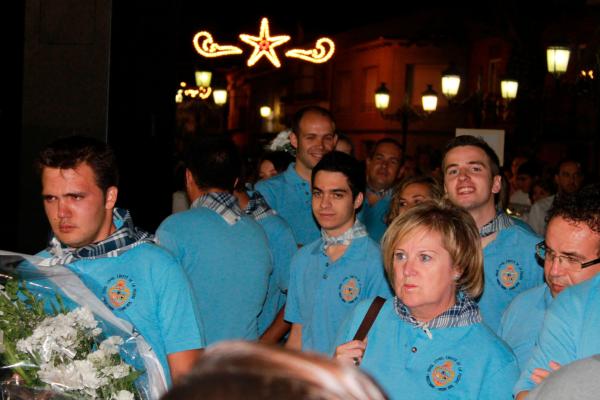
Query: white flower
{"x": 111, "y": 344}
{"x": 117, "y": 371}
{"x": 122, "y": 395}
{"x": 78, "y": 375}
{"x": 280, "y": 141}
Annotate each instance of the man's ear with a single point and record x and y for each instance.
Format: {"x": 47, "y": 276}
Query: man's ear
{"x": 496, "y": 184}
{"x": 110, "y": 198}
{"x": 293, "y": 140}
{"x": 358, "y": 200}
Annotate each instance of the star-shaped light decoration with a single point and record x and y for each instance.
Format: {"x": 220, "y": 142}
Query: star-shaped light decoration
{"x": 264, "y": 45}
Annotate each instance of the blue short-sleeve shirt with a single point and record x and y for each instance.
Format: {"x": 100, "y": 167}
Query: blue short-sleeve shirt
{"x": 283, "y": 247}
{"x": 467, "y": 362}
{"x": 323, "y": 292}
{"x": 147, "y": 287}
{"x": 522, "y": 321}
{"x": 228, "y": 267}
{"x": 510, "y": 268}
{"x": 290, "y": 195}
{"x": 570, "y": 330}
{"x": 373, "y": 216}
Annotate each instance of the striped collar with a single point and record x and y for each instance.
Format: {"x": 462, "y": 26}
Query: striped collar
{"x": 223, "y": 203}
{"x": 463, "y": 313}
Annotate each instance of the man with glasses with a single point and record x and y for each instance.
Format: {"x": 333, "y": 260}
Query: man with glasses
{"x": 568, "y": 330}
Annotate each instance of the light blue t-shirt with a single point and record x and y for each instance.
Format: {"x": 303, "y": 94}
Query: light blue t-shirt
{"x": 373, "y": 216}
{"x": 522, "y": 321}
{"x": 283, "y": 247}
{"x": 510, "y": 268}
{"x": 228, "y": 267}
{"x": 147, "y": 287}
{"x": 455, "y": 363}
{"x": 290, "y": 195}
{"x": 570, "y": 331}
{"x": 323, "y": 292}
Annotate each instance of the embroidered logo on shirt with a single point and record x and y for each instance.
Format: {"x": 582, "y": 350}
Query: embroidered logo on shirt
{"x": 119, "y": 292}
{"x": 350, "y": 289}
{"x": 444, "y": 373}
{"x": 508, "y": 275}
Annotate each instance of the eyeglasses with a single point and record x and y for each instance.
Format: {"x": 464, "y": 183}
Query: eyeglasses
{"x": 569, "y": 262}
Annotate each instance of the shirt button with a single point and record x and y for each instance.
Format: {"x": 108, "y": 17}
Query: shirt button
{"x": 324, "y": 276}
{"x": 327, "y": 264}
{"x": 414, "y": 349}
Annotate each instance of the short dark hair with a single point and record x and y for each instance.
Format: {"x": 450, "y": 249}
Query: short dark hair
{"x": 337, "y": 161}
{"x": 580, "y": 207}
{"x": 569, "y": 160}
{"x": 214, "y": 161}
{"x": 280, "y": 159}
{"x": 384, "y": 141}
{"x": 72, "y": 151}
{"x": 468, "y": 140}
{"x": 310, "y": 109}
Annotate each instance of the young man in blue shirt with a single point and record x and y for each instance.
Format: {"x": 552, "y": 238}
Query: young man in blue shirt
{"x": 383, "y": 166}
{"x": 224, "y": 252}
{"x": 137, "y": 280}
{"x": 571, "y": 324}
{"x": 313, "y": 135}
{"x": 331, "y": 275}
{"x": 472, "y": 180}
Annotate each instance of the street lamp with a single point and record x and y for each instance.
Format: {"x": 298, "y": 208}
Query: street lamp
{"x": 450, "y": 82}
{"x": 203, "y": 78}
{"x": 557, "y": 58}
{"x": 402, "y": 114}
{"x": 265, "y": 111}
{"x": 509, "y": 88}
{"x": 429, "y": 99}
{"x": 220, "y": 96}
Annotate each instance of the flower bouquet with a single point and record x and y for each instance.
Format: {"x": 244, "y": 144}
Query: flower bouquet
{"x": 57, "y": 346}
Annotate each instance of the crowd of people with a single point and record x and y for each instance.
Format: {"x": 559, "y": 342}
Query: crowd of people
{"x": 474, "y": 268}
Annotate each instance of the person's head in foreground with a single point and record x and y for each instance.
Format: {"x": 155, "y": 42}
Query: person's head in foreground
{"x": 252, "y": 371}
{"x": 79, "y": 189}
{"x": 412, "y": 191}
{"x": 571, "y": 249}
{"x": 430, "y": 253}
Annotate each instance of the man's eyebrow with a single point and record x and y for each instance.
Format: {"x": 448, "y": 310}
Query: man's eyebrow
{"x": 477, "y": 163}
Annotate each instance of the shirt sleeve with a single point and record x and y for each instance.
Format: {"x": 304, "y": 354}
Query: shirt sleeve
{"x": 178, "y": 314}
{"x": 556, "y": 341}
{"x": 285, "y": 248}
{"x": 498, "y": 385}
{"x": 350, "y": 325}
{"x": 292, "y": 306}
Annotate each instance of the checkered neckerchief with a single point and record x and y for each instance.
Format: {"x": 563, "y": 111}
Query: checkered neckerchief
{"x": 257, "y": 207}
{"x": 223, "y": 203}
{"x": 124, "y": 238}
{"x": 358, "y": 230}
{"x": 465, "y": 312}
{"x": 500, "y": 221}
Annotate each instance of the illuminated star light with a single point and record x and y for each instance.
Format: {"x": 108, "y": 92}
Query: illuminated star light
{"x": 264, "y": 45}
{"x": 318, "y": 55}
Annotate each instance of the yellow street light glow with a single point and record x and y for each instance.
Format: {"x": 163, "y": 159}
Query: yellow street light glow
{"x": 220, "y": 96}
{"x": 206, "y": 47}
{"x": 264, "y": 44}
{"x": 265, "y": 111}
{"x": 323, "y": 51}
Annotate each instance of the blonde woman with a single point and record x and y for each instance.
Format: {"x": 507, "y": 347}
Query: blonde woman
{"x": 428, "y": 342}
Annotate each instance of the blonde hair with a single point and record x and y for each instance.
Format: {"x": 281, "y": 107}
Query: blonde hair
{"x": 239, "y": 370}
{"x": 460, "y": 238}
{"x": 436, "y": 192}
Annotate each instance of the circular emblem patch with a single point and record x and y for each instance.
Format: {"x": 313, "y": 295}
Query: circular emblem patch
{"x": 508, "y": 275}
{"x": 119, "y": 292}
{"x": 444, "y": 373}
{"x": 350, "y": 289}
